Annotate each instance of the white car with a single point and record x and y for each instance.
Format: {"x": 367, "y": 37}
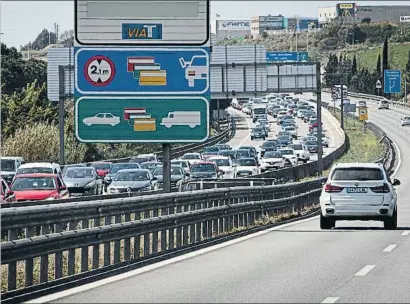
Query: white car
{"x": 150, "y": 157}
{"x": 405, "y": 121}
{"x": 290, "y": 156}
{"x": 183, "y": 163}
{"x": 301, "y": 151}
{"x": 358, "y": 191}
{"x": 292, "y": 130}
{"x": 102, "y": 119}
{"x": 225, "y": 164}
{"x": 30, "y": 168}
{"x": 272, "y": 160}
{"x": 192, "y": 158}
{"x": 246, "y": 167}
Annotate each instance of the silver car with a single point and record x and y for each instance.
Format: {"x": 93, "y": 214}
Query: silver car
{"x": 405, "y": 121}
{"x": 83, "y": 181}
{"x": 132, "y": 180}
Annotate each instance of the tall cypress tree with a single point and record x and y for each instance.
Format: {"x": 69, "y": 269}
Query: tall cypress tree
{"x": 385, "y": 61}
{"x": 354, "y": 66}
{"x": 379, "y": 66}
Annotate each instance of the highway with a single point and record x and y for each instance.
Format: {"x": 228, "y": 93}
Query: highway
{"x": 291, "y": 263}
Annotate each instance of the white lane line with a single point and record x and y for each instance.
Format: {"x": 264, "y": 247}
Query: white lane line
{"x": 249, "y": 132}
{"x": 122, "y": 276}
{"x": 390, "y": 248}
{"x": 405, "y": 233}
{"x": 365, "y": 270}
{"x": 330, "y": 300}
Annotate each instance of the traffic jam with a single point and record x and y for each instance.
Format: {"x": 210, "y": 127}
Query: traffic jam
{"x": 22, "y": 181}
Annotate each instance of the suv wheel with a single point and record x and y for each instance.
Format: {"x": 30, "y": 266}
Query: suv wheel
{"x": 391, "y": 223}
{"x": 326, "y": 223}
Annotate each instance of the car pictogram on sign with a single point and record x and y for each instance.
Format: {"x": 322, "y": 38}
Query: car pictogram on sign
{"x": 99, "y": 70}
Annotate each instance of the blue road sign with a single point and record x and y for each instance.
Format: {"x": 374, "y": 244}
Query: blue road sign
{"x": 392, "y": 81}
{"x": 287, "y": 56}
{"x": 141, "y": 31}
{"x": 142, "y": 71}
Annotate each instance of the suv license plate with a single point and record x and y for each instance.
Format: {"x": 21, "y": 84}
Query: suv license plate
{"x": 357, "y": 190}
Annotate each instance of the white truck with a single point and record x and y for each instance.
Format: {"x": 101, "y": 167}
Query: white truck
{"x": 182, "y": 118}
{"x": 259, "y": 111}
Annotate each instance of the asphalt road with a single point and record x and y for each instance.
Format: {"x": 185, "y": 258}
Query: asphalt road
{"x": 296, "y": 263}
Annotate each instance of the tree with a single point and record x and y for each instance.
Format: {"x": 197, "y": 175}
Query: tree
{"x": 42, "y": 40}
{"x": 16, "y": 73}
{"x": 67, "y": 38}
{"x": 385, "y": 60}
{"x": 354, "y": 66}
{"x": 379, "y": 66}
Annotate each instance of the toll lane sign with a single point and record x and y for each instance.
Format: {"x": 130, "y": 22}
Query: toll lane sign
{"x": 141, "y": 119}
{"x": 142, "y": 71}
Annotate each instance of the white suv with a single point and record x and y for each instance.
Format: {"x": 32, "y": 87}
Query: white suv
{"x": 358, "y": 191}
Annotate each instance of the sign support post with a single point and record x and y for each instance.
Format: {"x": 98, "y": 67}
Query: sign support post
{"x": 166, "y": 163}
{"x": 319, "y": 120}
{"x": 61, "y": 112}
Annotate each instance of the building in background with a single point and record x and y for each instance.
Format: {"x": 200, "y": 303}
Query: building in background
{"x": 261, "y": 24}
{"x": 233, "y": 29}
{"x": 382, "y": 13}
{"x": 302, "y": 23}
{"x": 326, "y": 14}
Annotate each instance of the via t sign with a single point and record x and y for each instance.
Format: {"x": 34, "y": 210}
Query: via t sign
{"x": 142, "y": 23}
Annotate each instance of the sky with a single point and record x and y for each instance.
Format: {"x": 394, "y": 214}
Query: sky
{"x": 22, "y": 21}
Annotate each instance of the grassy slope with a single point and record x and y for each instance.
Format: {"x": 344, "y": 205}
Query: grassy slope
{"x": 398, "y": 56}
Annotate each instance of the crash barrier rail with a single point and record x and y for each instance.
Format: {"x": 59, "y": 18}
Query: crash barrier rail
{"x": 389, "y": 158}
{"x": 228, "y": 132}
{"x": 372, "y": 97}
{"x": 54, "y": 247}
{"x": 212, "y": 183}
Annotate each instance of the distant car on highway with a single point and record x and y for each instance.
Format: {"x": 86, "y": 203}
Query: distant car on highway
{"x": 150, "y": 165}
{"x": 132, "y": 180}
{"x": 225, "y": 164}
{"x": 9, "y": 166}
{"x": 83, "y": 181}
{"x": 405, "y": 121}
{"x": 284, "y": 140}
{"x": 40, "y": 167}
{"x": 178, "y": 175}
{"x": 301, "y": 151}
{"x": 192, "y": 158}
{"x": 312, "y": 145}
{"x": 258, "y": 133}
{"x": 223, "y": 147}
{"x": 242, "y": 153}
{"x": 183, "y": 163}
{"x": 269, "y": 146}
{"x": 290, "y": 156}
{"x": 272, "y": 160}
{"x": 246, "y": 167}
{"x": 229, "y": 153}
{"x": 383, "y": 104}
{"x": 115, "y": 168}
{"x": 205, "y": 169}
{"x": 101, "y": 167}
{"x": 358, "y": 191}
{"x": 39, "y": 186}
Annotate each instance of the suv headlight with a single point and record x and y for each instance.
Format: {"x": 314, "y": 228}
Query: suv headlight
{"x": 50, "y": 198}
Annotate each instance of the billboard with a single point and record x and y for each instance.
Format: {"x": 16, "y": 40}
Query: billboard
{"x": 234, "y": 25}
{"x": 346, "y": 9}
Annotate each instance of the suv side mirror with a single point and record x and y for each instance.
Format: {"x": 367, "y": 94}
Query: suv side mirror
{"x": 396, "y": 182}
{"x": 63, "y": 188}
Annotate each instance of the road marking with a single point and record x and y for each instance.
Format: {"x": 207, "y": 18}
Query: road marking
{"x": 365, "y": 270}
{"x": 330, "y": 300}
{"x": 249, "y": 131}
{"x": 398, "y": 158}
{"x": 122, "y": 276}
{"x": 405, "y": 233}
{"x": 390, "y": 248}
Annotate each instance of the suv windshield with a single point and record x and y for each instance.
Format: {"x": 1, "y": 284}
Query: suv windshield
{"x": 117, "y": 167}
{"x": 220, "y": 162}
{"x": 33, "y": 183}
{"x": 203, "y": 168}
{"x": 286, "y": 152}
{"x": 8, "y": 165}
{"x": 34, "y": 170}
{"x": 79, "y": 173}
{"x": 297, "y": 147}
{"x": 191, "y": 156}
{"x": 175, "y": 170}
{"x": 257, "y": 130}
{"x": 275, "y": 154}
{"x": 246, "y": 162}
{"x": 359, "y": 174}
{"x": 268, "y": 144}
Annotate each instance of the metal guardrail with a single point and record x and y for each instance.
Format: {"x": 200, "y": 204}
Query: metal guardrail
{"x": 373, "y": 97}
{"x": 51, "y": 247}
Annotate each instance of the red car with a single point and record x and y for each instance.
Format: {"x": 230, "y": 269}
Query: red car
{"x": 313, "y": 127}
{"x": 6, "y": 195}
{"x": 102, "y": 168}
{"x": 39, "y": 186}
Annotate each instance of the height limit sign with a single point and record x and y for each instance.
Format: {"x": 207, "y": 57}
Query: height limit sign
{"x": 99, "y": 71}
